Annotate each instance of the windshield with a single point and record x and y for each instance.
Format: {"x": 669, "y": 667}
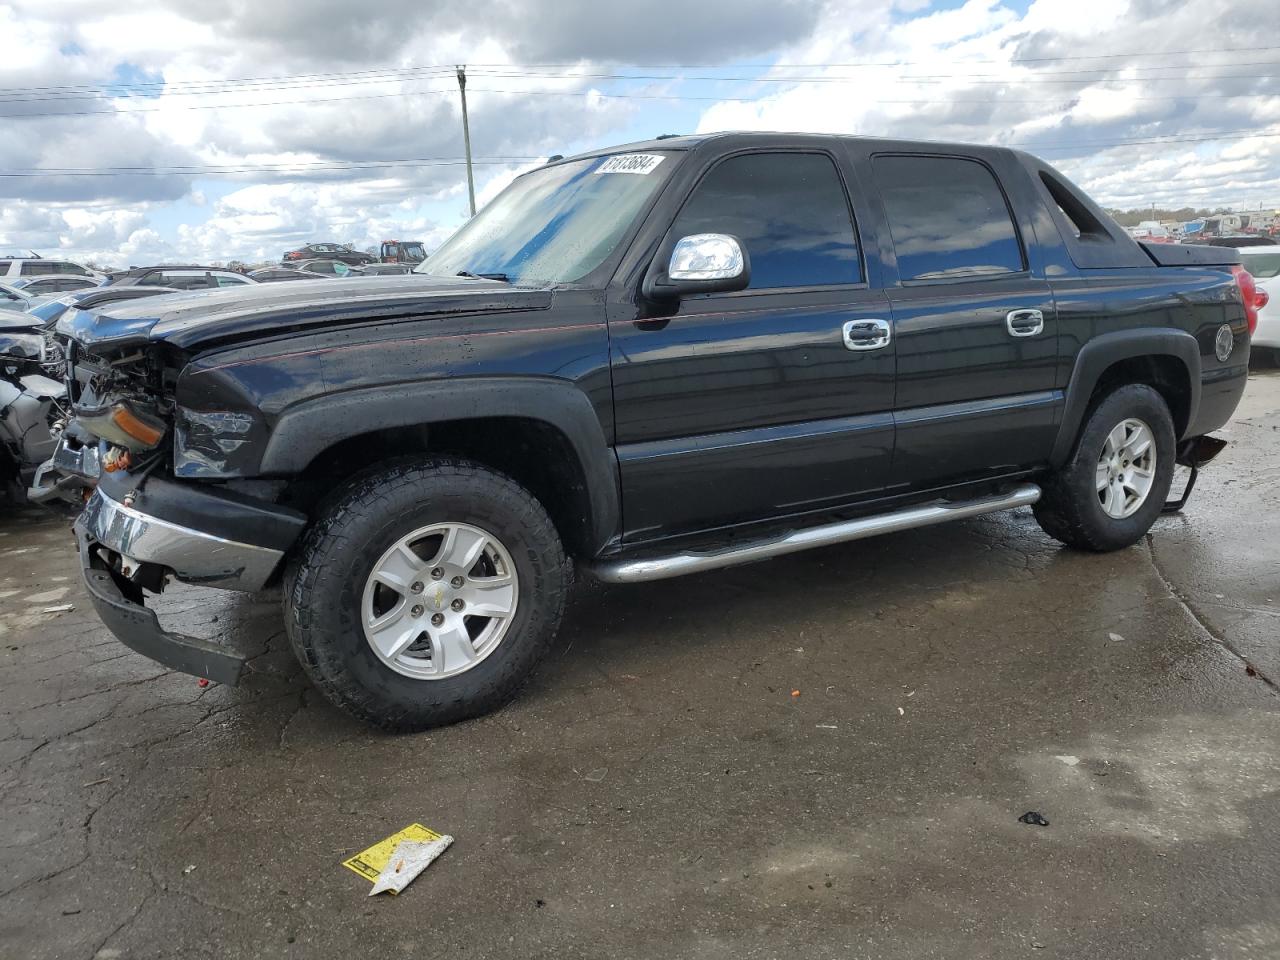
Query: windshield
{"x": 51, "y": 310}
{"x": 556, "y": 224}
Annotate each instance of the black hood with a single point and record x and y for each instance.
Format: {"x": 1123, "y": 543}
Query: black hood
{"x": 235, "y": 313}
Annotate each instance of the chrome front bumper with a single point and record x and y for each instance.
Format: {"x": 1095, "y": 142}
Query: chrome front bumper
{"x": 193, "y": 556}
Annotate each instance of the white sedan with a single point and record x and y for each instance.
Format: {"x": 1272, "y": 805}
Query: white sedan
{"x": 1264, "y": 264}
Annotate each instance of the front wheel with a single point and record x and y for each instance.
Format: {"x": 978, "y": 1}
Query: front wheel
{"x": 1110, "y": 492}
{"x": 426, "y": 593}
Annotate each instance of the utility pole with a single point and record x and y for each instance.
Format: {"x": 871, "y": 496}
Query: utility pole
{"x": 466, "y": 137}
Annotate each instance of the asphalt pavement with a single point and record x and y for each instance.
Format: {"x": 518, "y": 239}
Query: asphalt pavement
{"x": 823, "y": 756}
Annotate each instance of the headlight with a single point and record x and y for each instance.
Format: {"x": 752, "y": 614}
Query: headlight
{"x": 123, "y": 424}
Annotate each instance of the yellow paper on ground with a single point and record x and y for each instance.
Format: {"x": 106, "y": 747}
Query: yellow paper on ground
{"x": 369, "y": 863}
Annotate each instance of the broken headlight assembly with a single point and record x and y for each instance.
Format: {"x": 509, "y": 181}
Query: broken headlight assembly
{"x": 125, "y": 424}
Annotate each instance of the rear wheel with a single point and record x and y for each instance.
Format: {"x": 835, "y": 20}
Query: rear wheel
{"x": 1110, "y": 492}
{"x": 426, "y": 593}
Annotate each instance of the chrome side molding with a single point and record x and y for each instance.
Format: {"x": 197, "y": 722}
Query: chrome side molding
{"x": 675, "y": 565}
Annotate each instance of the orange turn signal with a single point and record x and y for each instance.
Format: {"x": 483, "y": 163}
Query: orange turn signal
{"x": 145, "y": 433}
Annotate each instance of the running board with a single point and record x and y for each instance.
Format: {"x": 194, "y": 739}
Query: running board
{"x": 676, "y": 565}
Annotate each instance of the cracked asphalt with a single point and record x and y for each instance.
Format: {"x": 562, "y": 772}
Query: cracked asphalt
{"x": 660, "y": 790}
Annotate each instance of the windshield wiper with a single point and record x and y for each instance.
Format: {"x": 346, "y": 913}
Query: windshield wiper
{"x": 482, "y": 276}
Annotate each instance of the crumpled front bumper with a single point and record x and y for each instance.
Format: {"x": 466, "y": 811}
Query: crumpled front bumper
{"x": 139, "y": 629}
{"x": 161, "y": 528}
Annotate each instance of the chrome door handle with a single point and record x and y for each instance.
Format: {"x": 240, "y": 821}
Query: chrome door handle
{"x": 867, "y": 334}
{"x": 1024, "y": 323}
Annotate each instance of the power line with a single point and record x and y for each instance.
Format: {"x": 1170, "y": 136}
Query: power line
{"x": 339, "y": 166}
{"x": 392, "y": 73}
{"x": 1065, "y": 95}
{"x": 1044, "y": 77}
{"x": 211, "y": 171}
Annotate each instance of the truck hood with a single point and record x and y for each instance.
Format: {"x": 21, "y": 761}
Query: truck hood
{"x": 203, "y": 317}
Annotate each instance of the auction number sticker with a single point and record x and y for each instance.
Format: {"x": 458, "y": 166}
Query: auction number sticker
{"x": 641, "y": 163}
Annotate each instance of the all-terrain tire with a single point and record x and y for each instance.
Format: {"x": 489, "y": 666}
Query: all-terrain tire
{"x": 1070, "y": 508}
{"x": 325, "y": 584}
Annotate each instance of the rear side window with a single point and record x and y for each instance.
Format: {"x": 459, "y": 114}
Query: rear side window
{"x": 39, "y": 268}
{"x": 1262, "y": 266}
{"x": 179, "y": 281}
{"x": 948, "y": 218}
{"x": 790, "y": 212}
{"x": 225, "y": 280}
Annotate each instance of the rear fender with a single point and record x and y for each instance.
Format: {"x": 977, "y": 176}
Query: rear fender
{"x": 1104, "y": 351}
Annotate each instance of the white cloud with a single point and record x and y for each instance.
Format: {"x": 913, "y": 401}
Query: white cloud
{"x": 982, "y": 72}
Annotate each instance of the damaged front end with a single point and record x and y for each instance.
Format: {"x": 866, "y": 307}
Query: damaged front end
{"x": 119, "y": 420}
{"x": 136, "y": 457}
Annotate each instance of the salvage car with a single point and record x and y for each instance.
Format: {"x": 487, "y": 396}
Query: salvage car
{"x": 328, "y": 268}
{"x": 177, "y": 277}
{"x": 646, "y": 361}
{"x": 1263, "y": 264}
{"x": 41, "y": 286}
{"x": 278, "y": 274}
{"x": 328, "y": 251}
{"x": 12, "y": 267}
{"x": 31, "y": 402}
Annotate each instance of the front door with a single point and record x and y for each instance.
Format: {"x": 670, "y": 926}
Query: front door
{"x": 772, "y": 401}
{"x": 975, "y": 325}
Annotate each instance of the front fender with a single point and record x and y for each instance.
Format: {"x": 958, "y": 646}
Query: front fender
{"x": 306, "y": 429}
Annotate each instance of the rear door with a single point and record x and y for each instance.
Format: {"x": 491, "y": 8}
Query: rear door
{"x": 974, "y": 322}
{"x": 741, "y": 406}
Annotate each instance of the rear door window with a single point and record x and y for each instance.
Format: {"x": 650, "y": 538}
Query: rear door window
{"x": 789, "y": 211}
{"x": 1262, "y": 266}
{"x": 39, "y": 268}
{"x": 948, "y": 218}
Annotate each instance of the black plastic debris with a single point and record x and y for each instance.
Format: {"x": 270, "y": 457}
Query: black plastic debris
{"x": 1033, "y": 818}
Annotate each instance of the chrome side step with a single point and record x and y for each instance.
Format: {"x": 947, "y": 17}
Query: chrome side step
{"x": 660, "y": 568}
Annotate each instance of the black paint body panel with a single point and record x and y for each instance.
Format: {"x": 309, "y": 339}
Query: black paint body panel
{"x": 718, "y": 411}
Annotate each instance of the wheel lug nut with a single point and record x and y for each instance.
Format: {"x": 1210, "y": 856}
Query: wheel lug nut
{"x": 437, "y": 574}
{"x": 417, "y": 610}
{"x": 457, "y": 581}
{"x": 457, "y": 604}
{"x": 437, "y": 619}
{"x": 416, "y": 586}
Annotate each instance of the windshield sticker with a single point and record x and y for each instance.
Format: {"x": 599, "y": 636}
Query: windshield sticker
{"x": 641, "y": 163}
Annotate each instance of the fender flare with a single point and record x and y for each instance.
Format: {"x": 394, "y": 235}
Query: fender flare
{"x": 1100, "y": 353}
{"x": 306, "y": 429}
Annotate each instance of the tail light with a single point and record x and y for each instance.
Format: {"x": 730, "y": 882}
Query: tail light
{"x": 1253, "y": 298}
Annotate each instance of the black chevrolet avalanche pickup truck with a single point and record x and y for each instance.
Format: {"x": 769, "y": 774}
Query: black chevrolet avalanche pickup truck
{"x": 641, "y": 362}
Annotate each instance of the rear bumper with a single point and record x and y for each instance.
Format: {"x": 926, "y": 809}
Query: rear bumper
{"x": 138, "y": 628}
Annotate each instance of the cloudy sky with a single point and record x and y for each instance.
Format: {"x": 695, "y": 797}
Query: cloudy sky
{"x": 205, "y": 130}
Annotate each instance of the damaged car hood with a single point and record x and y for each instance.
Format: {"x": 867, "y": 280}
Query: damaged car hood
{"x": 233, "y": 313}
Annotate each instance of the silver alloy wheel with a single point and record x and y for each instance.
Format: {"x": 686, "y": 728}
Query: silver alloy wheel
{"x": 439, "y": 600}
{"x": 1126, "y": 468}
